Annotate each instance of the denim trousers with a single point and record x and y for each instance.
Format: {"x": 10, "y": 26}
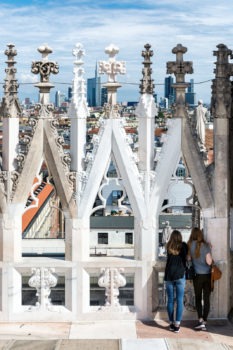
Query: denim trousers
{"x": 175, "y": 295}
{"x": 202, "y": 289}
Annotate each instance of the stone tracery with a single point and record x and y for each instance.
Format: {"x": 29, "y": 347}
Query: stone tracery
{"x": 143, "y": 181}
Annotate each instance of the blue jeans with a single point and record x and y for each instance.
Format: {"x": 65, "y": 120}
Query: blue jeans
{"x": 175, "y": 290}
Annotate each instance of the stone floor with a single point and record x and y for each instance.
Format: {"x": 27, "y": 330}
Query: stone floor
{"x": 115, "y": 335}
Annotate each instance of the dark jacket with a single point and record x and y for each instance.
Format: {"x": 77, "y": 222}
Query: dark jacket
{"x": 175, "y": 266}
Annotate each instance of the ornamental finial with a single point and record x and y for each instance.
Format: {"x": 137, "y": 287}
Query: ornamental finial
{"x": 112, "y": 67}
{"x": 147, "y": 86}
{"x": 44, "y": 67}
{"x": 179, "y": 67}
{"x": 78, "y": 52}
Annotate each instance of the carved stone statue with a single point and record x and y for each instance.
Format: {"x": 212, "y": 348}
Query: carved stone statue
{"x": 166, "y": 233}
{"x": 200, "y": 115}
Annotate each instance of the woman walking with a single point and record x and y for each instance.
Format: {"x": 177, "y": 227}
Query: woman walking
{"x": 175, "y": 278}
{"x": 200, "y": 253}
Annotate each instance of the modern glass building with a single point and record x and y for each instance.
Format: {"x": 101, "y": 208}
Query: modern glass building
{"x": 94, "y": 90}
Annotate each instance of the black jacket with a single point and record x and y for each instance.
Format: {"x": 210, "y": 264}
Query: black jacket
{"x": 175, "y": 266}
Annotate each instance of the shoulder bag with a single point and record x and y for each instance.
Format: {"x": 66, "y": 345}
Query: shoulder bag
{"x": 216, "y": 274}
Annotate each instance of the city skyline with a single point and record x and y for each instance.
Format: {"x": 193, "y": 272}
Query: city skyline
{"x": 200, "y": 27}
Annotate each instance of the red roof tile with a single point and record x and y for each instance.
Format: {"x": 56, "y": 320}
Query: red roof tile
{"x": 30, "y": 213}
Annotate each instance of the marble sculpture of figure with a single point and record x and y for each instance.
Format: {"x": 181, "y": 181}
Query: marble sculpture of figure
{"x": 200, "y": 123}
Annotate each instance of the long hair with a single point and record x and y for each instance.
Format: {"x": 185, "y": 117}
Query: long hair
{"x": 175, "y": 243}
{"x": 198, "y": 236}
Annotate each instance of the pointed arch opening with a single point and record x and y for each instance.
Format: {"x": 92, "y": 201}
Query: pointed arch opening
{"x": 112, "y": 219}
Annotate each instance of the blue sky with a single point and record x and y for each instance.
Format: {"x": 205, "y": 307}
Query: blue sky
{"x": 198, "y": 25}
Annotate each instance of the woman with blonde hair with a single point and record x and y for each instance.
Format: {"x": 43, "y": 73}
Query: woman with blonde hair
{"x": 175, "y": 278}
{"x": 200, "y": 254}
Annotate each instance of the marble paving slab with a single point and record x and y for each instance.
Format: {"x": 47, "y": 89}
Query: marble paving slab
{"x": 34, "y": 331}
{"x": 90, "y": 344}
{"x": 193, "y": 344}
{"x": 103, "y": 330}
{"x": 143, "y": 344}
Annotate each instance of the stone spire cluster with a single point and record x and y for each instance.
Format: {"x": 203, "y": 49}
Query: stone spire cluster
{"x": 147, "y": 86}
{"x": 79, "y": 83}
{"x": 10, "y": 104}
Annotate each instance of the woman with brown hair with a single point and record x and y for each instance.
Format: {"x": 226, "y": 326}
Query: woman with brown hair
{"x": 200, "y": 254}
{"x": 175, "y": 278}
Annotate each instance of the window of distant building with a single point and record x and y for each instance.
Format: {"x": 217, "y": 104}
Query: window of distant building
{"x": 102, "y": 237}
{"x": 128, "y": 238}
{"x": 180, "y": 172}
{"x": 116, "y": 194}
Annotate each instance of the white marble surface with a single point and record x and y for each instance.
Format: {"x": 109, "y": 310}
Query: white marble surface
{"x": 103, "y": 330}
{"x": 143, "y": 344}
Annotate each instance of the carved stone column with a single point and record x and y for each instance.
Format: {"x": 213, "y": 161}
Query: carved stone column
{"x": 221, "y": 110}
{"x": 146, "y": 112}
{"x": 78, "y": 113}
{"x": 111, "y": 279}
{"x": 218, "y": 226}
{"x": 10, "y": 110}
{"x": 43, "y": 279}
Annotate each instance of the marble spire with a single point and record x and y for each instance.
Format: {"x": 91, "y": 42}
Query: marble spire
{"x": 111, "y": 68}
{"x": 147, "y": 86}
{"x": 10, "y": 104}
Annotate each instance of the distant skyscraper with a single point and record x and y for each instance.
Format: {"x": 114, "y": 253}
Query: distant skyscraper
{"x": 94, "y": 90}
{"x": 169, "y": 91}
{"x": 59, "y": 98}
{"x": 69, "y": 93}
{"x": 190, "y": 96}
{"x": 104, "y": 96}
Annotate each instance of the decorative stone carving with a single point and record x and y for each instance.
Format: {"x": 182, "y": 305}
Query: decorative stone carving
{"x": 72, "y": 176}
{"x": 66, "y": 161}
{"x": 112, "y": 67}
{"x": 221, "y": 87}
{"x": 44, "y": 67}
{"x": 147, "y": 86}
{"x": 60, "y": 143}
{"x": 20, "y": 161}
{"x": 111, "y": 111}
{"x": 26, "y": 140}
{"x": 3, "y": 181}
{"x": 45, "y": 111}
{"x": 32, "y": 122}
{"x": 112, "y": 279}
{"x": 15, "y": 178}
{"x": 79, "y": 83}
{"x": 43, "y": 279}
{"x": 179, "y": 68}
{"x": 10, "y": 100}
{"x": 54, "y": 124}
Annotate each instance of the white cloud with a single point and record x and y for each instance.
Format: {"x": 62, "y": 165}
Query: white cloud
{"x": 27, "y": 78}
{"x": 199, "y": 26}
